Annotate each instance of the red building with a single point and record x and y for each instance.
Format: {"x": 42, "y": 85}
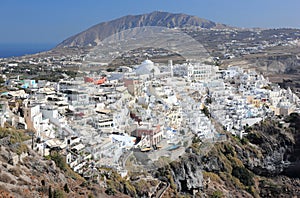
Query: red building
{"x": 152, "y": 132}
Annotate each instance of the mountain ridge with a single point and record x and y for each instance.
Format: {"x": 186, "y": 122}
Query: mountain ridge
{"x": 93, "y": 35}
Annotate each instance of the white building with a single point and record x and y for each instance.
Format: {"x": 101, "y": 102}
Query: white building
{"x": 201, "y": 72}
{"x": 33, "y": 117}
{"x": 147, "y": 68}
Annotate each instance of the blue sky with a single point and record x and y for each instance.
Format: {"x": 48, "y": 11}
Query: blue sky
{"x": 39, "y": 21}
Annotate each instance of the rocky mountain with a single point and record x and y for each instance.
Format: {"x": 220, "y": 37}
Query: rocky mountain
{"x": 95, "y": 34}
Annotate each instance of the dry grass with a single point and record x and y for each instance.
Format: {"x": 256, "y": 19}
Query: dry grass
{"x": 212, "y": 176}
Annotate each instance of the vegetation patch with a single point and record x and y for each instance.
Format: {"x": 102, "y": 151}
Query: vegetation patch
{"x": 212, "y": 176}
{"x": 15, "y": 139}
{"x": 59, "y": 161}
{"x": 245, "y": 176}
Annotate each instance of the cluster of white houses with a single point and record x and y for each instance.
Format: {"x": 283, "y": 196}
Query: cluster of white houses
{"x": 94, "y": 119}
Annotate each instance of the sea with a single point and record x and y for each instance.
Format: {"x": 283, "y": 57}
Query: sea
{"x": 16, "y": 49}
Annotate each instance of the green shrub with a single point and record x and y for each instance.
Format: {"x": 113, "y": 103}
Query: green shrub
{"x": 129, "y": 189}
{"x": 243, "y": 175}
{"x": 59, "y": 161}
{"x": 244, "y": 141}
{"x": 206, "y": 111}
{"x": 217, "y": 194}
{"x": 66, "y": 188}
{"x": 58, "y": 193}
{"x": 16, "y": 136}
{"x": 110, "y": 191}
{"x": 229, "y": 150}
{"x": 255, "y": 138}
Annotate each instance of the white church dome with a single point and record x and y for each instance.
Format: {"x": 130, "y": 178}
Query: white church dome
{"x": 147, "y": 62}
{"x": 147, "y": 67}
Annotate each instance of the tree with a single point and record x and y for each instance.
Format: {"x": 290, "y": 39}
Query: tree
{"x": 111, "y": 69}
{"x": 208, "y": 100}
{"x": 66, "y": 188}
{"x": 206, "y": 111}
{"x": 50, "y": 192}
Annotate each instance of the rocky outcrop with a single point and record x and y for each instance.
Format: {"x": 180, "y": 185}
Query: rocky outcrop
{"x": 264, "y": 163}
{"x": 268, "y": 150}
{"x": 274, "y": 148}
{"x": 187, "y": 173}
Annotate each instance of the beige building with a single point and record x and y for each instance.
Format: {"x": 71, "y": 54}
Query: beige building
{"x": 133, "y": 86}
{"x": 33, "y": 118}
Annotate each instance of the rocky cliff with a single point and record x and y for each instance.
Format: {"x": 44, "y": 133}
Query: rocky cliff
{"x": 264, "y": 163}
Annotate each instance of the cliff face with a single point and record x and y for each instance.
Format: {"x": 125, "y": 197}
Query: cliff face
{"x": 187, "y": 173}
{"x": 264, "y": 163}
{"x": 272, "y": 147}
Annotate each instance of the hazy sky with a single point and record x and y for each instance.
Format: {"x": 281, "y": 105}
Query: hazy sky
{"x": 51, "y": 21}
